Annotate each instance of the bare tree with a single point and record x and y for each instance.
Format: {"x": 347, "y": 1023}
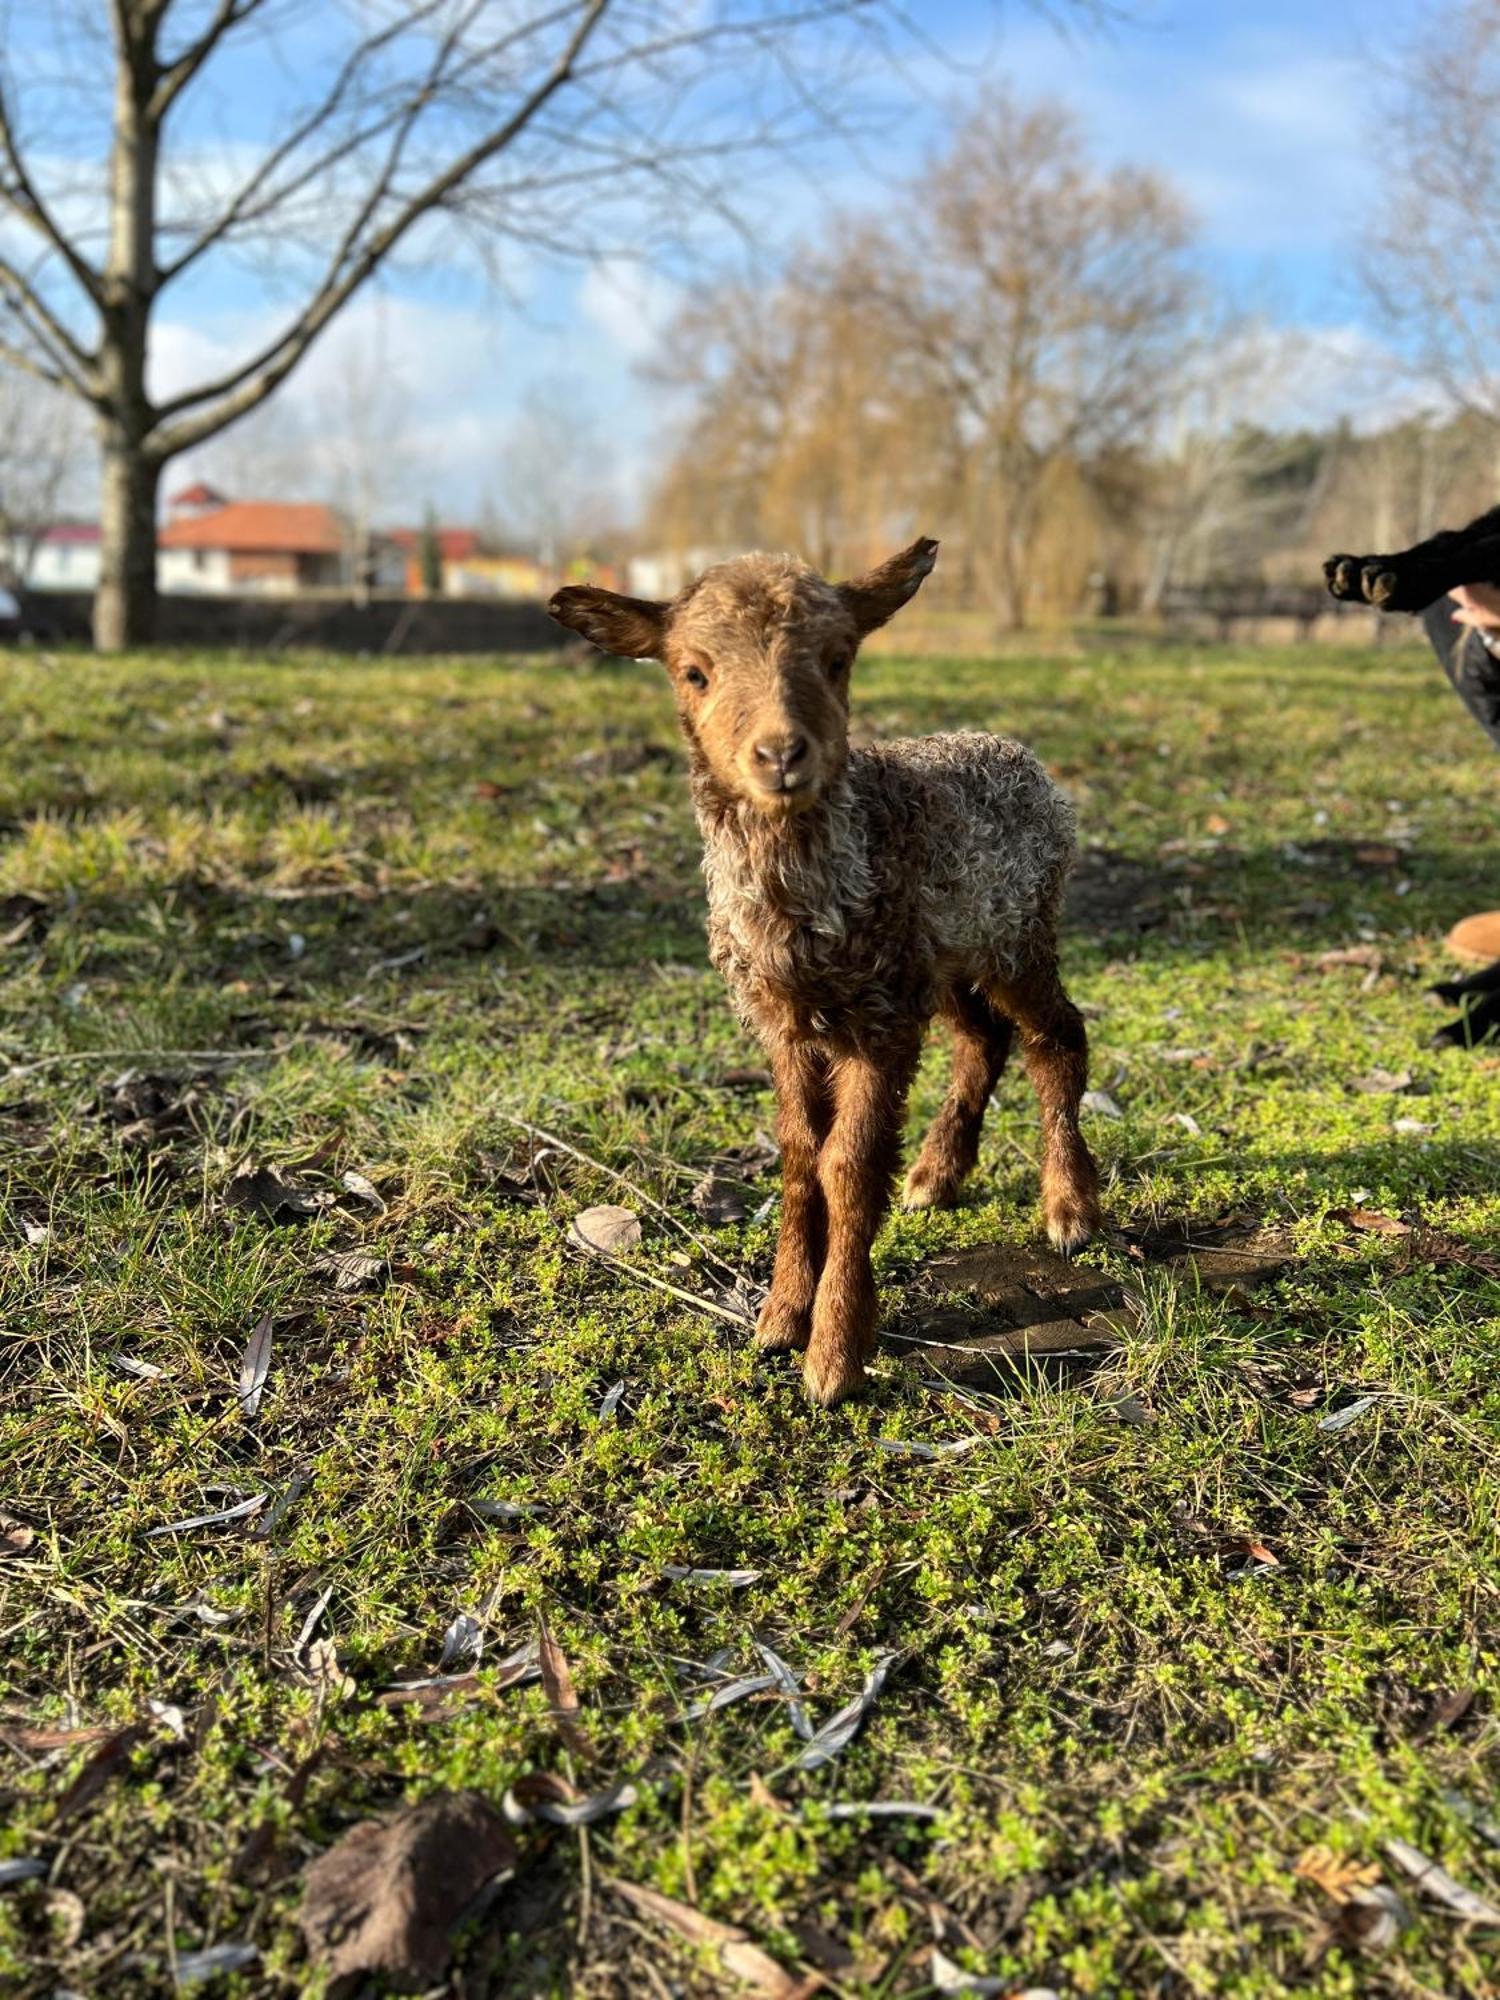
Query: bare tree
{"x": 1043, "y": 303}
{"x": 552, "y": 123}
{"x": 42, "y": 453}
{"x": 557, "y": 474}
{"x": 966, "y": 363}
{"x": 1432, "y": 257}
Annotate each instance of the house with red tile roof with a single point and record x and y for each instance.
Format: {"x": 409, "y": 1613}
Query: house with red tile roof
{"x": 254, "y": 545}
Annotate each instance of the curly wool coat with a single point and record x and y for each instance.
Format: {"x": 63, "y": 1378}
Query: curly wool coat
{"x": 930, "y": 864}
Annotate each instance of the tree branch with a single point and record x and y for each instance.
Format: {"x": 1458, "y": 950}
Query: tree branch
{"x": 239, "y": 391}
{"x": 175, "y": 76}
{"x": 27, "y": 303}
{"x": 21, "y": 197}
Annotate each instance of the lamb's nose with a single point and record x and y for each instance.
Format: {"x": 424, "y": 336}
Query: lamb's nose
{"x": 783, "y": 755}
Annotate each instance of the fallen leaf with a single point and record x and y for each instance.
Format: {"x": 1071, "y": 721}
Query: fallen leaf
{"x": 611, "y": 1401}
{"x": 128, "y": 1364}
{"x": 26, "y": 1736}
{"x": 950, "y": 1977}
{"x": 104, "y": 1764}
{"x": 213, "y": 1960}
{"x": 607, "y": 1231}
{"x": 545, "y": 1795}
{"x": 238, "y": 1512}
{"x": 1257, "y": 1553}
{"x": 255, "y": 1365}
{"x": 21, "y": 1868}
{"x": 1188, "y": 1123}
{"x": 1354, "y": 954}
{"x": 718, "y": 1200}
{"x": 1349, "y": 1414}
{"x": 730, "y": 1692}
{"x": 386, "y": 1897}
{"x": 1335, "y": 1874}
{"x": 1380, "y": 1082}
{"x": 350, "y": 1270}
{"x": 1372, "y": 1222}
{"x": 562, "y": 1697}
{"x": 364, "y": 1189}
{"x": 789, "y": 1685}
{"x": 1126, "y": 1409}
{"x": 1101, "y": 1103}
{"x": 505, "y": 1510}
{"x": 738, "y": 1956}
{"x": 262, "y": 1191}
{"x": 1435, "y": 1881}
{"x": 322, "y": 1670}
{"x": 737, "y": 1579}
{"x": 839, "y": 1731}
{"x": 463, "y": 1640}
{"x": 16, "y": 1537}
{"x": 1372, "y": 1919}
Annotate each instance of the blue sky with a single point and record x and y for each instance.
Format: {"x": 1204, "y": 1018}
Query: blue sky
{"x": 1264, "y": 115}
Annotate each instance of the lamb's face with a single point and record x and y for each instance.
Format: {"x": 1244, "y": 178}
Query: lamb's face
{"x": 759, "y": 651}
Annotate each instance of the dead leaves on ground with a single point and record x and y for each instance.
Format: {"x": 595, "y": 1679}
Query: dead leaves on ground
{"x": 386, "y": 1897}
{"x": 739, "y": 1958}
{"x": 606, "y": 1231}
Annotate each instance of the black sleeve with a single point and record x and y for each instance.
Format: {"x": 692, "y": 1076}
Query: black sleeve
{"x": 1468, "y": 663}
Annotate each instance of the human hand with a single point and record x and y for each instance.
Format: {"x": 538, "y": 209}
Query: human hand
{"x": 1478, "y": 606}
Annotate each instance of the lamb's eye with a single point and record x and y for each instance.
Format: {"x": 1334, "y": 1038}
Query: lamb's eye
{"x": 695, "y": 677}
{"x": 840, "y": 663}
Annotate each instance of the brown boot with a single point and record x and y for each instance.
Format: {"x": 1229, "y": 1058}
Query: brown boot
{"x": 1477, "y": 939}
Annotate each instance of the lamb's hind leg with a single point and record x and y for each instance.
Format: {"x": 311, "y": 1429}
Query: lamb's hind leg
{"x": 981, "y": 1043}
{"x": 1055, "y": 1045}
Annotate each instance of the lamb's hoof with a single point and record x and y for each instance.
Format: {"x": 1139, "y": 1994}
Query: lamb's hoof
{"x": 926, "y": 1189}
{"x": 1341, "y": 574}
{"x": 782, "y": 1328}
{"x": 1070, "y": 1224}
{"x": 830, "y": 1379}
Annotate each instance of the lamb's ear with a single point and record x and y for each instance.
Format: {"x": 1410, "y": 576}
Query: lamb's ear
{"x": 880, "y": 593}
{"x": 633, "y": 627}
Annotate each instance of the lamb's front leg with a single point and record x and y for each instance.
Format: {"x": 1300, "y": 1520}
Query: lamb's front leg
{"x": 855, "y": 1170}
{"x": 802, "y": 1115}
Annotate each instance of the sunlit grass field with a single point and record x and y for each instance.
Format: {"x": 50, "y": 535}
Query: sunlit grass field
{"x": 296, "y": 958}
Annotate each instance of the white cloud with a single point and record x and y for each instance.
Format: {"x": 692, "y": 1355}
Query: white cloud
{"x": 629, "y": 303}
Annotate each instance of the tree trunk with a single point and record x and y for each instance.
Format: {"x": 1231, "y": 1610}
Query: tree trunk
{"x": 125, "y": 603}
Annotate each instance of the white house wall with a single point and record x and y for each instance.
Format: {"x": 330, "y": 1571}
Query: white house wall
{"x": 193, "y": 570}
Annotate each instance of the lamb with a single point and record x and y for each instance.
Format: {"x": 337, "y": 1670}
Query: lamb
{"x": 854, "y": 895}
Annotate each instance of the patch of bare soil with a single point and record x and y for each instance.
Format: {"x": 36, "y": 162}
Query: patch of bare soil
{"x": 1002, "y": 1302}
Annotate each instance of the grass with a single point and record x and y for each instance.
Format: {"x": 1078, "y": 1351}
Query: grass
{"x": 412, "y": 902}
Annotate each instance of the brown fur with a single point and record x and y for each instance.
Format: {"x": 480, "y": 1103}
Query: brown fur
{"x": 852, "y": 897}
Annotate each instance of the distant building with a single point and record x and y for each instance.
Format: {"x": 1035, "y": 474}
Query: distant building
{"x": 470, "y": 569}
{"x": 455, "y": 546}
{"x": 63, "y": 557}
{"x": 665, "y": 572}
{"x": 213, "y": 544}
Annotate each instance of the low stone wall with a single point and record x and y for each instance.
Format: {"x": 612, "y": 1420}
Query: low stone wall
{"x": 270, "y": 624}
